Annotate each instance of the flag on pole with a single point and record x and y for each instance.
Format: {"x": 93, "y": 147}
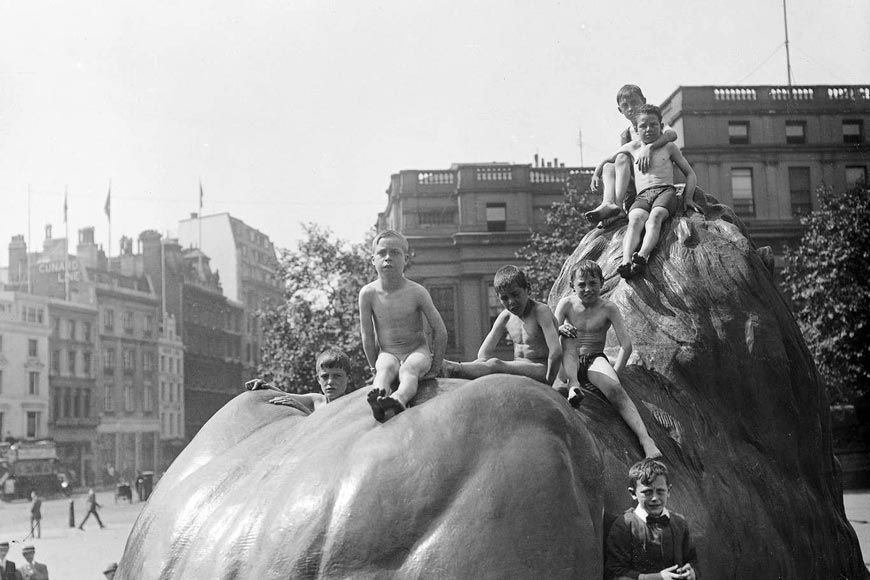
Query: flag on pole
{"x": 64, "y": 207}
{"x": 108, "y": 206}
{"x": 200, "y": 196}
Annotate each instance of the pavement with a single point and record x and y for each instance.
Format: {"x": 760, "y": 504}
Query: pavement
{"x": 71, "y": 554}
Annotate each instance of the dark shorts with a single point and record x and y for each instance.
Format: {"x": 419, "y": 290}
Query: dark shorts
{"x": 657, "y": 196}
{"x": 585, "y": 361}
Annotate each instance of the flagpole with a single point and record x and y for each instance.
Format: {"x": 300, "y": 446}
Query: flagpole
{"x": 108, "y": 210}
{"x": 199, "y": 224}
{"x": 66, "y": 251}
{"x": 27, "y": 253}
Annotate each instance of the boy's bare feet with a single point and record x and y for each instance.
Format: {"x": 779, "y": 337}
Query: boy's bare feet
{"x": 614, "y": 219}
{"x": 625, "y": 270}
{"x": 377, "y": 409}
{"x": 390, "y": 407}
{"x": 575, "y": 395}
{"x": 650, "y": 449}
{"x": 605, "y": 210}
{"x": 450, "y": 369}
{"x": 638, "y": 264}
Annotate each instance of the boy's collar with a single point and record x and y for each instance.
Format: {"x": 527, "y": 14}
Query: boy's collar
{"x": 642, "y": 513}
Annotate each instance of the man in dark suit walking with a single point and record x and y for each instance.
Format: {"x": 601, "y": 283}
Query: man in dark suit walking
{"x": 92, "y": 509}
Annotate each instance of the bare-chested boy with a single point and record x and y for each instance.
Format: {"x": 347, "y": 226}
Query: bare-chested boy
{"x": 332, "y": 368}
{"x": 530, "y": 326}
{"x": 391, "y": 312}
{"x": 584, "y": 319}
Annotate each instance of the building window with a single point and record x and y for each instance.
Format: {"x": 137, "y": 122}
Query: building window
{"x": 77, "y": 403}
{"x": 67, "y": 403}
{"x": 86, "y": 364}
{"x": 55, "y": 326}
{"x": 33, "y": 383}
{"x": 438, "y": 217}
{"x": 109, "y": 320}
{"x": 32, "y": 348}
{"x": 1, "y": 387}
{"x": 128, "y": 322}
{"x": 148, "y": 400}
{"x": 856, "y": 176}
{"x": 109, "y": 359}
{"x": 795, "y": 132}
{"x": 72, "y": 329}
{"x": 496, "y": 217}
{"x": 55, "y": 362}
{"x": 444, "y": 298}
{"x": 86, "y": 403}
{"x": 128, "y": 396}
{"x": 129, "y": 356}
{"x": 799, "y": 187}
{"x": 33, "y": 420}
{"x": 741, "y": 191}
{"x": 147, "y": 361}
{"x": 107, "y": 398}
{"x": 86, "y": 331}
{"x": 149, "y": 325}
{"x": 738, "y": 132}
{"x": 853, "y": 132}
{"x": 71, "y": 362}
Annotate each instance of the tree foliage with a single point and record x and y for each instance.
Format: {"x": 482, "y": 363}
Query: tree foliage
{"x": 547, "y": 250}
{"x": 322, "y": 279}
{"x": 827, "y": 280}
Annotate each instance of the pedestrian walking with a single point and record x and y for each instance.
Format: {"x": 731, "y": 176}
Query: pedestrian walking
{"x": 35, "y": 515}
{"x": 7, "y": 567}
{"x": 31, "y": 569}
{"x": 92, "y": 509}
{"x": 110, "y": 570}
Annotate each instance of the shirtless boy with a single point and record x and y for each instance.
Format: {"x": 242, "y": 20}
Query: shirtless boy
{"x": 584, "y": 319}
{"x": 530, "y": 326}
{"x": 617, "y": 174}
{"x": 391, "y": 312}
{"x": 657, "y": 199}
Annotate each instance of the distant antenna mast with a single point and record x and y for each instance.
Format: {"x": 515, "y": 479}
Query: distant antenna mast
{"x": 787, "y": 55}
{"x": 580, "y": 143}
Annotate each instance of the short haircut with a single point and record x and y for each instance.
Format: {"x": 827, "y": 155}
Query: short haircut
{"x": 508, "y": 276}
{"x": 587, "y": 268}
{"x": 390, "y": 234}
{"x": 645, "y": 471}
{"x": 333, "y": 358}
{"x": 647, "y": 109}
{"x": 628, "y": 90}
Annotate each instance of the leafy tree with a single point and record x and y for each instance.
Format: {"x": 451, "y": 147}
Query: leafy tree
{"x": 322, "y": 279}
{"x": 547, "y": 250}
{"x": 826, "y": 278}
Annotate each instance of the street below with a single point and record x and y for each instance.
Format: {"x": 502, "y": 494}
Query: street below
{"x": 71, "y": 554}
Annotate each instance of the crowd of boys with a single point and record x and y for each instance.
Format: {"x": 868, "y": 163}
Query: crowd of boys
{"x": 563, "y": 349}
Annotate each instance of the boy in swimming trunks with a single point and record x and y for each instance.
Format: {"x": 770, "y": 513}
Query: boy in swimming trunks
{"x": 657, "y": 199}
{"x": 391, "y": 312}
{"x": 530, "y": 326}
{"x": 616, "y": 174}
{"x": 584, "y": 318}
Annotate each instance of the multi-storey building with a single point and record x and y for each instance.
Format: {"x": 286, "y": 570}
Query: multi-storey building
{"x": 765, "y": 149}
{"x": 24, "y": 391}
{"x": 462, "y": 225}
{"x": 209, "y": 324}
{"x": 171, "y": 390}
{"x": 73, "y": 362}
{"x": 248, "y": 267}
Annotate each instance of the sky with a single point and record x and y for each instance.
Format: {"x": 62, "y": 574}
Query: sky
{"x": 298, "y": 111}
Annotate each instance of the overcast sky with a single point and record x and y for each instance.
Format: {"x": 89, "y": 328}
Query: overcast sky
{"x": 300, "y": 110}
